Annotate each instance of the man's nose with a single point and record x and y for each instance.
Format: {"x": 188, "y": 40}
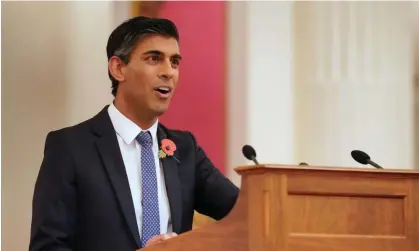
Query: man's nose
{"x": 166, "y": 70}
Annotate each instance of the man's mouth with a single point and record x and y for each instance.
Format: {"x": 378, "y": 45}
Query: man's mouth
{"x": 163, "y": 90}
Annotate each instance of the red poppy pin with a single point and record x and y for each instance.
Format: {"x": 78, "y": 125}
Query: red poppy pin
{"x": 167, "y": 148}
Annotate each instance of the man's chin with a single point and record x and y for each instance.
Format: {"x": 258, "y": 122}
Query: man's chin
{"x": 159, "y": 108}
{"x": 159, "y": 111}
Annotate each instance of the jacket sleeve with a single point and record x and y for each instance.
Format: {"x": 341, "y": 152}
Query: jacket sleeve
{"x": 54, "y": 199}
{"x": 215, "y": 194}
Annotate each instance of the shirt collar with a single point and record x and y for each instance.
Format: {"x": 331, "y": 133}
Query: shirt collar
{"x": 127, "y": 129}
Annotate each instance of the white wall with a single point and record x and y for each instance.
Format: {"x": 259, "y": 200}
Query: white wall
{"x": 354, "y": 86}
{"x": 54, "y": 74}
{"x": 415, "y": 10}
{"x": 315, "y": 80}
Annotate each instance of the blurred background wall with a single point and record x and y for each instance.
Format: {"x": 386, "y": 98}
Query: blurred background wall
{"x": 54, "y": 74}
{"x": 299, "y": 81}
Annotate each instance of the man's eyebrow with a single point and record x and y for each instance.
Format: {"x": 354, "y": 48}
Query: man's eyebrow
{"x": 155, "y": 52}
{"x": 159, "y": 53}
{"x": 177, "y": 56}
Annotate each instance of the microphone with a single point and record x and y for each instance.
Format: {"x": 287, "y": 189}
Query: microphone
{"x": 249, "y": 153}
{"x": 363, "y": 158}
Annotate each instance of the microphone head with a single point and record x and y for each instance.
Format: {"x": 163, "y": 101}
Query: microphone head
{"x": 249, "y": 152}
{"x": 360, "y": 157}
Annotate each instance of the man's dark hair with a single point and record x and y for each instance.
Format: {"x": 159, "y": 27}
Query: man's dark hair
{"x": 126, "y": 36}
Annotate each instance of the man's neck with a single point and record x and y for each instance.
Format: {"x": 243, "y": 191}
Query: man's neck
{"x": 139, "y": 118}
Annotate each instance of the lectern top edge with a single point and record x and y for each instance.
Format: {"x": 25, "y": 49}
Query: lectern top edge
{"x": 282, "y": 167}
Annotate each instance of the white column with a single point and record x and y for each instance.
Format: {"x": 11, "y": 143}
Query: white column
{"x": 260, "y": 99}
{"x": 89, "y": 87}
{"x": 354, "y": 83}
{"x": 33, "y": 94}
{"x": 415, "y": 11}
{"x": 54, "y": 75}
{"x": 237, "y": 87}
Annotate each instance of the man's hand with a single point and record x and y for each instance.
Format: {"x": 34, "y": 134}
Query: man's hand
{"x": 159, "y": 238}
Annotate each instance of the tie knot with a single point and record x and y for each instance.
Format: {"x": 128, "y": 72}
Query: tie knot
{"x": 144, "y": 138}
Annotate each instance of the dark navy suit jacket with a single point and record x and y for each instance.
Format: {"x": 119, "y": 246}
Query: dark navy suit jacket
{"x": 82, "y": 199}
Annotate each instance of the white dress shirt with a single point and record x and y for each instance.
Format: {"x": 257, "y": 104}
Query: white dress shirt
{"x": 126, "y": 132}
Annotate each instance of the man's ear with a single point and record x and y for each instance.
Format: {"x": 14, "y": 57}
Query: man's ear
{"x": 116, "y": 68}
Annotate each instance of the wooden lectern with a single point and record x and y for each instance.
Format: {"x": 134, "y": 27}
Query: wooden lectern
{"x": 305, "y": 208}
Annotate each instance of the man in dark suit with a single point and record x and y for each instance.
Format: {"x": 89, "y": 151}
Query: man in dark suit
{"x": 120, "y": 180}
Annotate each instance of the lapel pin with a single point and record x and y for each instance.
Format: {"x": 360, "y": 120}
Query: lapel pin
{"x": 167, "y": 148}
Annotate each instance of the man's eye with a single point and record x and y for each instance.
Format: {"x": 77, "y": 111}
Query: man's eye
{"x": 176, "y": 61}
{"x": 154, "y": 58}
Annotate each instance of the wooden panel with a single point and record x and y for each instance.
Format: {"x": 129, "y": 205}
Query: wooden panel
{"x": 412, "y": 214}
{"x": 340, "y": 215}
{"x": 259, "y": 194}
{"x": 346, "y": 243}
{"x": 309, "y": 170}
{"x": 333, "y": 184}
{"x": 342, "y": 210}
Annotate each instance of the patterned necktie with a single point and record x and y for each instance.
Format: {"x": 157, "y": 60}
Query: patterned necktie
{"x": 150, "y": 200}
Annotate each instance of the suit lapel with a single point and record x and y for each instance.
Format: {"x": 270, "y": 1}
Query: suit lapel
{"x": 107, "y": 145}
{"x": 173, "y": 188}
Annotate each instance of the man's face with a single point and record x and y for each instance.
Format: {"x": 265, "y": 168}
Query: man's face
{"x": 151, "y": 76}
